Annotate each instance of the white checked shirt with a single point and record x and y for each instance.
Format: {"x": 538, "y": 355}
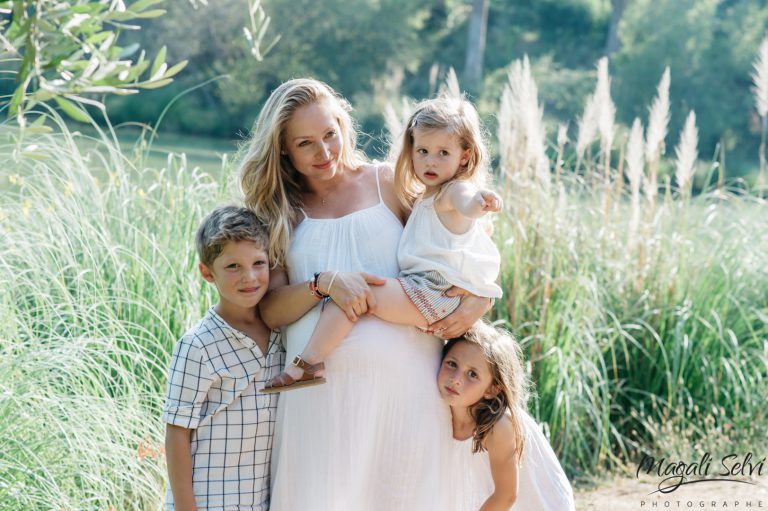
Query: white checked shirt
{"x": 215, "y": 374}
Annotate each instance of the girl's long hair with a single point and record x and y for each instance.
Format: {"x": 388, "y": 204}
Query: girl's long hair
{"x": 455, "y": 115}
{"x": 504, "y": 357}
{"x": 269, "y": 183}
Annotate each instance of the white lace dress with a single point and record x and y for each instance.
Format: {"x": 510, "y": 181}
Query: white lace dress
{"x": 376, "y": 436}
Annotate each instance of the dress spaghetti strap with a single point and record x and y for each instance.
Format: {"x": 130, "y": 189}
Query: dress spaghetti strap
{"x": 378, "y": 186}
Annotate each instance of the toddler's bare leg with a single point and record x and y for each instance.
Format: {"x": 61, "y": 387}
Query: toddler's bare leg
{"x": 393, "y": 305}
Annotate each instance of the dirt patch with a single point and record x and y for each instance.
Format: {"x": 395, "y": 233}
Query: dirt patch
{"x": 631, "y": 494}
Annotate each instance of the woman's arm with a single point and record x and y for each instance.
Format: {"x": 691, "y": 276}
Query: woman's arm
{"x": 459, "y": 321}
{"x": 286, "y": 303}
{"x": 504, "y": 463}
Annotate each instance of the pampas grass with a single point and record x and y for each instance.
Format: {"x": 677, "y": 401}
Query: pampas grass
{"x": 687, "y": 154}
{"x": 760, "y": 89}
{"x": 658, "y": 121}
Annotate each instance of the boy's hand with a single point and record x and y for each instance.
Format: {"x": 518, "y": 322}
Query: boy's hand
{"x": 491, "y": 201}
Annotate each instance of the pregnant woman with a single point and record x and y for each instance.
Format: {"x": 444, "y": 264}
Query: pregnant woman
{"x": 376, "y": 436}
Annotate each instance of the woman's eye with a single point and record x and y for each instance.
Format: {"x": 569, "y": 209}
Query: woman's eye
{"x": 260, "y": 263}
{"x": 330, "y": 134}
{"x": 304, "y": 143}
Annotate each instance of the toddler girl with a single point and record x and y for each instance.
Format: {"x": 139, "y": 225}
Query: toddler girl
{"x": 439, "y": 174}
{"x": 506, "y": 458}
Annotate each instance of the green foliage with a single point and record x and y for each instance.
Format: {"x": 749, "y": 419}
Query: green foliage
{"x": 709, "y": 47}
{"x": 63, "y": 50}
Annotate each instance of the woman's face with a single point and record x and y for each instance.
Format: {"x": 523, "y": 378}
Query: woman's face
{"x": 313, "y": 141}
{"x": 465, "y": 376}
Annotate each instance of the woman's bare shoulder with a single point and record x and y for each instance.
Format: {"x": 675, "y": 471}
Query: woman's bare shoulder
{"x": 383, "y": 169}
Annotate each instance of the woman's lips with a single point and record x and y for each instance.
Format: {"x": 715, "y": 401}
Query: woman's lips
{"x": 249, "y": 289}
{"x": 324, "y": 166}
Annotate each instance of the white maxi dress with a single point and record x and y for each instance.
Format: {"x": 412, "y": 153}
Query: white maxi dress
{"x": 377, "y": 435}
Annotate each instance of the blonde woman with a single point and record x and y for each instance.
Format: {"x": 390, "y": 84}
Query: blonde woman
{"x": 438, "y": 177}
{"x": 374, "y": 437}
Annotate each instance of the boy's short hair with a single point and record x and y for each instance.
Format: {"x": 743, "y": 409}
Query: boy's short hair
{"x": 226, "y": 224}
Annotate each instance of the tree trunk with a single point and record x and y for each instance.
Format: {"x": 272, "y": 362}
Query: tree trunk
{"x": 473, "y": 66}
{"x": 613, "y": 44}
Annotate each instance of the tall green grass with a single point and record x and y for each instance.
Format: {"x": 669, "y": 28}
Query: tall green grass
{"x": 642, "y": 309}
{"x": 98, "y": 280}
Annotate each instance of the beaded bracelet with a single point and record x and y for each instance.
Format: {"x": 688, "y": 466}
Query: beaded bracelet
{"x": 314, "y": 290}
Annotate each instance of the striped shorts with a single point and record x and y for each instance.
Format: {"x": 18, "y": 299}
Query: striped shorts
{"x": 426, "y": 292}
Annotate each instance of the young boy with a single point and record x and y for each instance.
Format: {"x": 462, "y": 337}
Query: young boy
{"x": 219, "y": 429}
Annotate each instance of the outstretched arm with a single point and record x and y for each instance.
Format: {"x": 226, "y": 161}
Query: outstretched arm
{"x": 470, "y": 202}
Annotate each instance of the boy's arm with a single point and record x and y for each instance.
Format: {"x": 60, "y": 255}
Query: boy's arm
{"x": 178, "y": 455}
{"x": 469, "y": 202}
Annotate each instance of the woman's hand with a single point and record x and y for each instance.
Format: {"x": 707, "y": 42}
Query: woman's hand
{"x": 351, "y": 291}
{"x": 459, "y": 321}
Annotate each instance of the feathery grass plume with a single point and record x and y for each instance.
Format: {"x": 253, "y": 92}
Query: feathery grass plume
{"x": 606, "y": 112}
{"x": 451, "y": 84}
{"x": 562, "y": 139}
{"x": 434, "y": 72}
{"x": 395, "y": 125}
{"x": 635, "y": 176}
{"x": 760, "y": 89}
{"x": 521, "y": 129}
{"x": 587, "y": 129}
{"x": 658, "y": 121}
{"x": 687, "y": 154}
{"x": 760, "y": 79}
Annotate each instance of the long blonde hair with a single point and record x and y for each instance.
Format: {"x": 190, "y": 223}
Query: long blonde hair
{"x": 504, "y": 357}
{"x": 269, "y": 183}
{"x": 455, "y": 115}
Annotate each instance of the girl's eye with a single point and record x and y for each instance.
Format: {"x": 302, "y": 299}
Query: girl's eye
{"x": 421, "y": 151}
{"x": 472, "y": 375}
{"x": 260, "y": 262}
{"x": 450, "y": 363}
{"x": 232, "y": 266}
{"x": 443, "y": 153}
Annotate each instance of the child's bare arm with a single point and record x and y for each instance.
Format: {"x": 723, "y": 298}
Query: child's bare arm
{"x": 178, "y": 455}
{"x": 504, "y": 462}
{"x": 471, "y": 203}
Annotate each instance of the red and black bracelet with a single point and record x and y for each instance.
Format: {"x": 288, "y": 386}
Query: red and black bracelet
{"x": 314, "y": 288}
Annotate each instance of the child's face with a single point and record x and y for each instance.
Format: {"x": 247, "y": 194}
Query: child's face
{"x": 437, "y": 156}
{"x": 313, "y": 141}
{"x": 240, "y": 273}
{"x": 465, "y": 377}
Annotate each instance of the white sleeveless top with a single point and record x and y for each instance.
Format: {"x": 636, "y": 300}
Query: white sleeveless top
{"x": 470, "y": 260}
